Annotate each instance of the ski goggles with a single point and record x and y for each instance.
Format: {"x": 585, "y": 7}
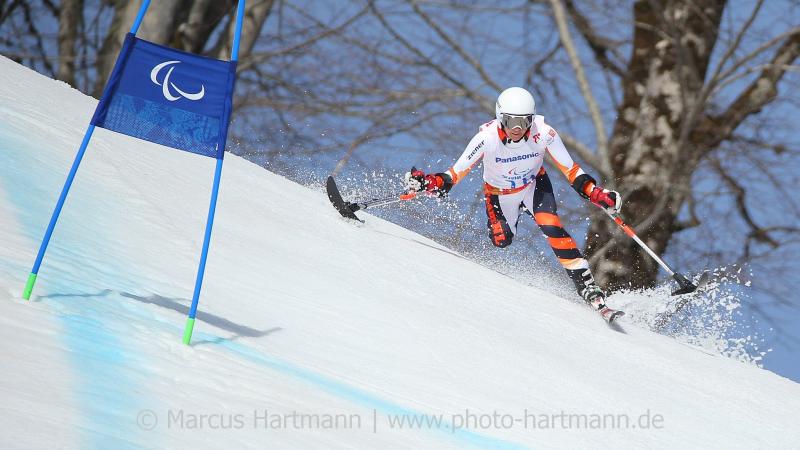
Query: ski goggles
{"x": 510, "y": 121}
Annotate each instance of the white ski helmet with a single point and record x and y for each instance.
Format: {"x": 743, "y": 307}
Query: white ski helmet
{"x": 515, "y": 107}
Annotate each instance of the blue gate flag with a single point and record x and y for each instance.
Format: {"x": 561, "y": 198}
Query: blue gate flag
{"x": 169, "y": 97}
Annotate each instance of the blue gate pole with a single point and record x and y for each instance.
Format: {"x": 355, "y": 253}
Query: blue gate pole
{"x": 26, "y": 294}
{"x": 140, "y": 16}
{"x": 187, "y": 331}
{"x": 237, "y": 35}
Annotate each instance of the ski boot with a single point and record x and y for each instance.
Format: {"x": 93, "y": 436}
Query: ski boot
{"x": 596, "y": 298}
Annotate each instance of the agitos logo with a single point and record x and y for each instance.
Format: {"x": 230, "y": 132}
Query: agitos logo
{"x": 167, "y": 86}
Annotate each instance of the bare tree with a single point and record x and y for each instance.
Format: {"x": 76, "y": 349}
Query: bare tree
{"x": 668, "y": 123}
{"x": 69, "y": 20}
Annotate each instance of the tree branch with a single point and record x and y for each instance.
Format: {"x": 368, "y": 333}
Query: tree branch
{"x": 370, "y": 134}
{"x": 759, "y": 93}
{"x": 5, "y": 11}
{"x": 600, "y": 45}
{"x": 426, "y": 61}
{"x": 28, "y": 15}
{"x": 753, "y": 54}
{"x": 757, "y": 232}
{"x": 730, "y": 51}
{"x": 594, "y": 110}
{"x": 258, "y": 58}
{"x": 454, "y": 45}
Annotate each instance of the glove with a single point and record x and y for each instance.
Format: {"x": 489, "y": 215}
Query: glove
{"x": 611, "y": 201}
{"x": 417, "y": 181}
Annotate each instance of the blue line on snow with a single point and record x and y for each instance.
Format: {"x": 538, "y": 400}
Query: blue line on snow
{"x": 355, "y": 395}
{"x": 328, "y": 385}
{"x": 104, "y": 393}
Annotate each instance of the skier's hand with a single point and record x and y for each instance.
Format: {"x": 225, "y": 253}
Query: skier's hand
{"x": 415, "y": 180}
{"x": 611, "y": 201}
{"x": 418, "y": 181}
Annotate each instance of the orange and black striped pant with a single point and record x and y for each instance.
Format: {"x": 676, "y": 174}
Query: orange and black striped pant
{"x": 540, "y": 202}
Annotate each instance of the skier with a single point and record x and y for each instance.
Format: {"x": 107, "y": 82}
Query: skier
{"x": 513, "y": 147}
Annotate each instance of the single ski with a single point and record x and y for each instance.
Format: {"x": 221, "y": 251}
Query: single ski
{"x": 610, "y": 315}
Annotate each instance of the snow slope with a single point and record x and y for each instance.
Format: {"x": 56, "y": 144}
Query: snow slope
{"x": 313, "y": 331}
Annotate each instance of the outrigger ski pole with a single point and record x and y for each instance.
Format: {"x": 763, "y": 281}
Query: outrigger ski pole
{"x": 348, "y": 209}
{"x": 358, "y": 206}
{"x": 685, "y": 286}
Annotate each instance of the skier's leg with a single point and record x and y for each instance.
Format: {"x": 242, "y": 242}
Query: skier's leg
{"x": 503, "y": 212}
{"x": 566, "y": 250}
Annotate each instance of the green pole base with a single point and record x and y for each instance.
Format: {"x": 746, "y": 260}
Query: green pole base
{"x": 187, "y": 332}
{"x": 26, "y": 294}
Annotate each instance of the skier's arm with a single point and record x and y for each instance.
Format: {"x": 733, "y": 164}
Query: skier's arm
{"x": 582, "y": 182}
{"x": 471, "y": 155}
{"x": 441, "y": 183}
